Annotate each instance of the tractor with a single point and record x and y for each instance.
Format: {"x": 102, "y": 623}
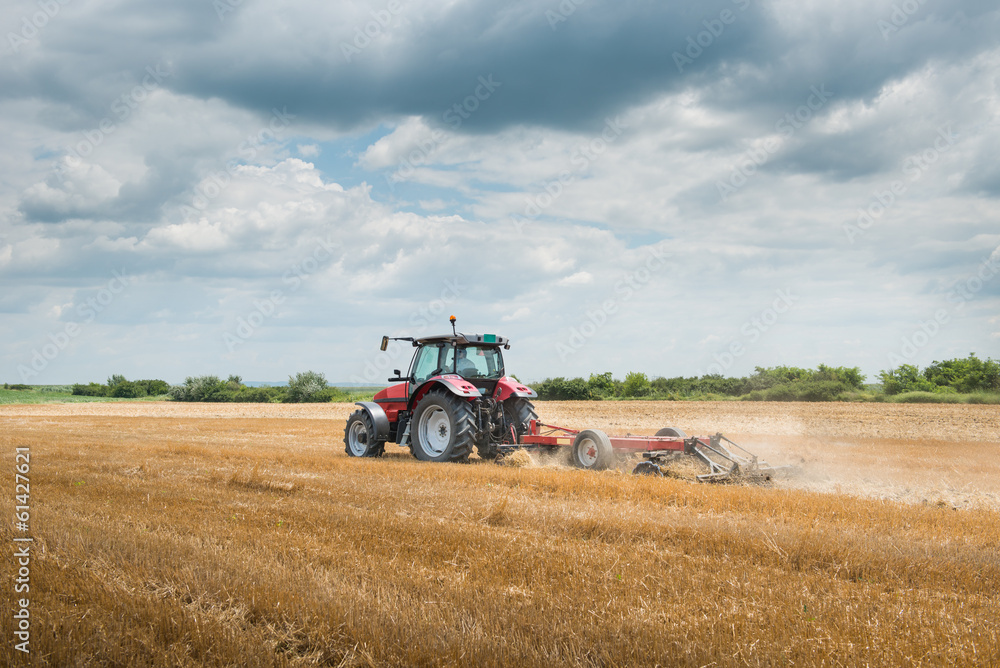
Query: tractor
{"x": 455, "y": 397}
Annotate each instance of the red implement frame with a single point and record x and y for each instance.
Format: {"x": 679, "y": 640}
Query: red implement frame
{"x": 547, "y": 434}
{"x": 725, "y": 460}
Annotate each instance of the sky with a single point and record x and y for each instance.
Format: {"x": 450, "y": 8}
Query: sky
{"x": 679, "y": 188}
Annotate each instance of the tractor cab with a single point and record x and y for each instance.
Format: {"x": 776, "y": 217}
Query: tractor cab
{"x": 474, "y": 357}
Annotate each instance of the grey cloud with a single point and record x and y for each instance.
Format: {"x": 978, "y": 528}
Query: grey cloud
{"x": 602, "y": 59}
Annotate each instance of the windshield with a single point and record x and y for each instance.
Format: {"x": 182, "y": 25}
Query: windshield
{"x": 475, "y": 362}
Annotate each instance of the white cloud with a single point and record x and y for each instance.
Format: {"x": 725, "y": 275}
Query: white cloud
{"x": 519, "y": 314}
{"x": 579, "y": 278}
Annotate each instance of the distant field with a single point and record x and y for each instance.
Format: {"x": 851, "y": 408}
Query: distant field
{"x": 48, "y": 394}
{"x": 219, "y": 534}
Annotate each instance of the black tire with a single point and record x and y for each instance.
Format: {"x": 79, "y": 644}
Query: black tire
{"x": 359, "y": 436}
{"x": 519, "y": 412}
{"x": 672, "y": 431}
{"x": 647, "y": 468}
{"x": 592, "y": 450}
{"x": 443, "y": 428}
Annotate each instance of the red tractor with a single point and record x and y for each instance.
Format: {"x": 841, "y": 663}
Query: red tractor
{"x": 455, "y": 396}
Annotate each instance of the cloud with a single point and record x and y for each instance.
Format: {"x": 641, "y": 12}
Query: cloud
{"x": 579, "y": 278}
{"x": 503, "y": 163}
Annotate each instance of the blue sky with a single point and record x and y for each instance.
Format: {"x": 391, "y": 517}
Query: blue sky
{"x": 263, "y": 188}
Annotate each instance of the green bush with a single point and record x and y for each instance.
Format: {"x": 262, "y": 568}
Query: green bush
{"x": 154, "y": 388}
{"x": 303, "y": 386}
{"x": 17, "y": 386}
{"x": 561, "y": 389}
{"x": 965, "y": 375}
{"x": 822, "y": 390}
{"x": 926, "y": 398}
{"x": 809, "y": 390}
{"x": 199, "y": 388}
{"x": 256, "y": 395}
{"x": 635, "y": 385}
{"x": 603, "y": 385}
{"x": 90, "y": 390}
{"x": 127, "y": 389}
{"x": 213, "y": 389}
{"x": 118, "y": 386}
{"x": 904, "y": 378}
{"x": 325, "y": 396}
{"x": 679, "y": 387}
{"x": 983, "y": 398}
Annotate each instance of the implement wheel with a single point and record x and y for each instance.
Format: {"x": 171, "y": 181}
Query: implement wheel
{"x": 672, "y": 431}
{"x": 592, "y": 450}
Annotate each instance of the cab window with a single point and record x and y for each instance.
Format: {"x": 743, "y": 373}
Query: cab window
{"x": 427, "y": 363}
{"x": 477, "y": 362}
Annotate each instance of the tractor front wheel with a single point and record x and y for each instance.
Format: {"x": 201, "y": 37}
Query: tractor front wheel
{"x": 444, "y": 428}
{"x": 359, "y": 436}
{"x": 592, "y": 450}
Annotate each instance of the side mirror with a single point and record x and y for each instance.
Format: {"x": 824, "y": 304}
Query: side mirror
{"x": 385, "y": 344}
{"x": 396, "y": 371}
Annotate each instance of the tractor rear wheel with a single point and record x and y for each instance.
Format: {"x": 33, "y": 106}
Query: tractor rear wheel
{"x": 359, "y": 436}
{"x": 444, "y": 428}
{"x": 592, "y": 450}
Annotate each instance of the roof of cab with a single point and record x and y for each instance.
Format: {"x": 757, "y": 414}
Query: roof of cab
{"x": 464, "y": 339}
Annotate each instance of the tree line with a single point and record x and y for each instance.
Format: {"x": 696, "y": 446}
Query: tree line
{"x": 969, "y": 380}
{"x": 306, "y": 387}
{"x": 937, "y": 382}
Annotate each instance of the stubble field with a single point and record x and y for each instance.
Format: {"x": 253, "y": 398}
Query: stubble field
{"x": 189, "y": 535}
